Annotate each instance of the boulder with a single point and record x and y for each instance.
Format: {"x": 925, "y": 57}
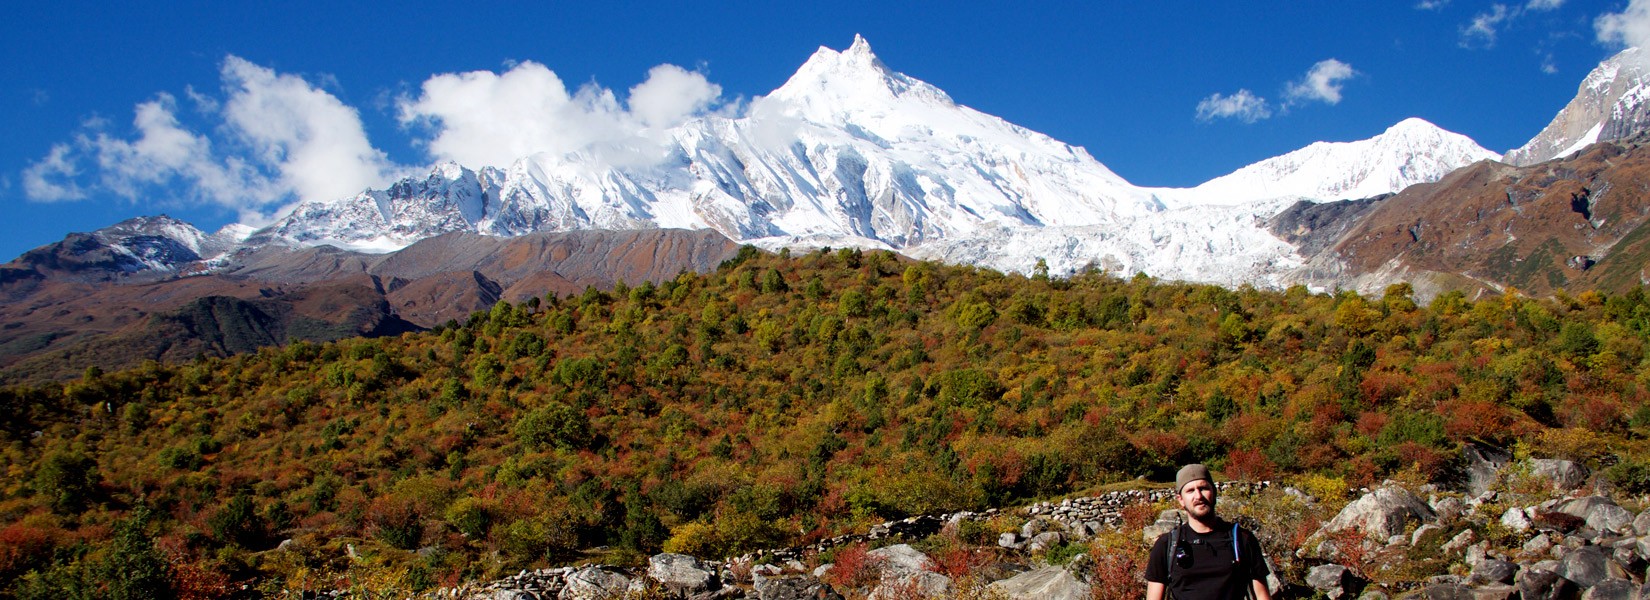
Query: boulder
{"x": 594, "y": 583}
{"x": 906, "y": 571}
{"x": 1382, "y": 513}
{"x": 1421, "y": 532}
{"x": 1047, "y": 583}
{"x": 793, "y": 588}
{"x": 1494, "y": 571}
{"x": 1599, "y": 513}
{"x": 1446, "y": 591}
{"x": 1484, "y": 467}
{"x": 1641, "y": 523}
{"x": 1459, "y": 542}
{"x": 1516, "y": 519}
{"x": 1044, "y": 541}
{"x": 1334, "y": 581}
{"x": 1009, "y": 539}
{"x": 1611, "y": 589}
{"x": 1541, "y": 584}
{"x": 1494, "y": 591}
{"x": 681, "y": 575}
{"x": 1586, "y": 566}
{"x": 1563, "y": 474}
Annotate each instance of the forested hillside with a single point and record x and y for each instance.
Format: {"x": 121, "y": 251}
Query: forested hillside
{"x": 775, "y": 400}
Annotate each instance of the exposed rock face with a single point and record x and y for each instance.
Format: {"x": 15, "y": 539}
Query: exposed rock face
{"x": 1047, "y": 583}
{"x": 681, "y": 574}
{"x": 1334, "y": 581}
{"x": 278, "y": 295}
{"x": 1564, "y": 474}
{"x": 1381, "y": 514}
{"x": 1484, "y": 464}
{"x": 793, "y": 588}
{"x": 1562, "y": 224}
{"x": 1609, "y": 105}
{"x": 1600, "y": 513}
{"x": 594, "y": 583}
{"x": 905, "y": 571}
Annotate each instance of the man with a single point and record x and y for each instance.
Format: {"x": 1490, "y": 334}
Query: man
{"x": 1205, "y": 562}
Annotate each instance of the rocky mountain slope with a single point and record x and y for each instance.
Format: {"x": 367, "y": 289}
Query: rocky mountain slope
{"x": 78, "y": 303}
{"x": 1610, "y": 105}
{"x": 1572, "y": 224}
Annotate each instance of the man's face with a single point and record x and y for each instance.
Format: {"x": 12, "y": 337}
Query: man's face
{"x": 1198, "y": 499}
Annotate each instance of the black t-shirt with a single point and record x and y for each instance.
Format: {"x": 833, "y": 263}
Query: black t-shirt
{"x": 1208, "y": 568}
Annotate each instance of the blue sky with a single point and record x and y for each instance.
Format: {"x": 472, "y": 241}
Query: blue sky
{"x": 261, "y": 98}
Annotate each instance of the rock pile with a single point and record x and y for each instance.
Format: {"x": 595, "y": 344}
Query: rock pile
{"x": 1482, "y": 541}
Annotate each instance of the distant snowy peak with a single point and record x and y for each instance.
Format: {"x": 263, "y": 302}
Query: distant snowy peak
{"x": 1410, "y": 152}
{"x": 1612, "y": 103}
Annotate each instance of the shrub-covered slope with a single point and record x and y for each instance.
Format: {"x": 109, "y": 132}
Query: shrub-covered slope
{"x": 774, "y": 401}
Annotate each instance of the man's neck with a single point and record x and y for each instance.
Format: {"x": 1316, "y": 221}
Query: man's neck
{"x": 1204, "y": 525}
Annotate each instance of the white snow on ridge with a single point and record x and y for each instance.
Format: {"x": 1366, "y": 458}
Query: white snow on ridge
{"x": 851, "y": 153}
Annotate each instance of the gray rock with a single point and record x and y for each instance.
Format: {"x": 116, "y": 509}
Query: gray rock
{"x": 1047, "y": 583}
{"x": 1611, "y": 589}
{"x": 793, "y": 588}
{"x": 901, "y": 557}
{"x": 1447, "y": 591}
{"x": 681, "y": 574}
{"x": 1563, "y": 474}
{"x": 1516, "y": 519}
{"x": 906, "y": 569}
{"x": 1541, "y": 584}
{"x": 1459, "y": 542}
{"x": 1335, "y": 581}
{"x": 1494, "y": 571}
{"x": 1539, "y": 544}
{"x": 594, "y": 583}
{"x": 1447, "y": 508}
{"x": 1009, "y": 539}
{"x": 1586, "y": 566}
{"x": 1372, "y": 594}
{"x": 1421, "y": 532}
{"x": 1045, "y": 540}
{"x": 1495, "y": 591}
{"x": 1484, "y": 467}
{"x": 1641, "y": 523}
{"x": 1382, "y": 513}
{"x": 1600, "y": 513}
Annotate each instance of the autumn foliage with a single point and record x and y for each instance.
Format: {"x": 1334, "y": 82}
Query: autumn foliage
{"x": 778, "y": 399}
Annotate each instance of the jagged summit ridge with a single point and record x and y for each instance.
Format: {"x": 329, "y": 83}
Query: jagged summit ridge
{"x": 1611, "y": 104}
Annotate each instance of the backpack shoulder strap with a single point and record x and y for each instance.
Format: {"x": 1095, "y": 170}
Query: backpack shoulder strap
{"x": 1237, "y": 555}
{"x": 1174, "y": 545}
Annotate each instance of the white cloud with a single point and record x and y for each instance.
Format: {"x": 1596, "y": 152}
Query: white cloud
{"x": 1243, "y": 105}
{"x": 1630, "y": 27}
{"x": 482, "y": 118}
{"x": 1322, "y": 83}
{"x": 1485, "y": 26}
{"x": 670, "y": 95}
{"x": 1544, "y": 4}
{"x": 313, "y": 140}
{"x": 1431, "y": 4}
{"x": 52, "y": 178}
{"x": 284, "y": 140}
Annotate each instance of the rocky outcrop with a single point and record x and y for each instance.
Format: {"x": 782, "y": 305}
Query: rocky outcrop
{"x": 1047, "y": 583}
{"x": 1382, "y": 513}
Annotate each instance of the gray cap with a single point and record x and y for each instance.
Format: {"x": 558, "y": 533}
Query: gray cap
{"x": 1190, "y": 473}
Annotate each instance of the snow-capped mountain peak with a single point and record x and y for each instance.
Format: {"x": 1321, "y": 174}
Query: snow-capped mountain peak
{"x": 849, "y": 152}
{"x": 832, "y": 83}
{"x": 1612, "y": 103}
{"x": 1409, "y": 152}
